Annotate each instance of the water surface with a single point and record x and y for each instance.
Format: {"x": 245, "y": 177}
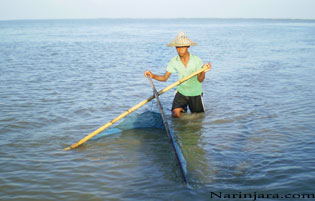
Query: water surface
{"x": 62, "y": 79}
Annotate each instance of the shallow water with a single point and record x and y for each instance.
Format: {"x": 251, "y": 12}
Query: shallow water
{"x": 62, "y": 79}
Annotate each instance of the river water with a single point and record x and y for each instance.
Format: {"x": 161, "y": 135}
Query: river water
{"x": 62, "y": 79}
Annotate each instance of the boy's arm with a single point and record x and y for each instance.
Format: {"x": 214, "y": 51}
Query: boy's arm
{"x": 161, "y": 78}
{"x": 202, "y": 75}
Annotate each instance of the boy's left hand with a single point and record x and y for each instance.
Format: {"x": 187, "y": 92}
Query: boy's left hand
{"x": 207, "y": 65}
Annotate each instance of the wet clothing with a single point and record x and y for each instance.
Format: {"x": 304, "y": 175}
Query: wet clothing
{"x": 195, "y": 103}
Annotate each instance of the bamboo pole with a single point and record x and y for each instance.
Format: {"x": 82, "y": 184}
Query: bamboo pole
{"x": 132, "y": 109}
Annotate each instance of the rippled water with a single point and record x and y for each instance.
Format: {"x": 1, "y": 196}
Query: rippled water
{"x": 62, "y": 79}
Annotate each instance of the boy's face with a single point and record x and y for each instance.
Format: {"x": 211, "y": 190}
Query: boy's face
{"x": 182, "y": 50}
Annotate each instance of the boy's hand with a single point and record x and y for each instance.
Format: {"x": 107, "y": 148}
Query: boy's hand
{"x": 147, "y": 73}
{"x": 207, "y": 65}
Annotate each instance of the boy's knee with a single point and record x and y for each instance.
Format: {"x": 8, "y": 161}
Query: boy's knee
{"x": 176, "y": 112}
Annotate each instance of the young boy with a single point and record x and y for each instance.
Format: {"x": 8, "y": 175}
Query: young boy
{"x": 188, "y": 93}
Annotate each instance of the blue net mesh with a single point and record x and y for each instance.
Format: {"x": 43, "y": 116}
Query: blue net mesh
{"x": 148, "y": 119}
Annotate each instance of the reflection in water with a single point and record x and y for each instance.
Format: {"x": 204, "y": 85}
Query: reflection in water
{"x": 188, "y": 130}
{"x": 141, "y": 127}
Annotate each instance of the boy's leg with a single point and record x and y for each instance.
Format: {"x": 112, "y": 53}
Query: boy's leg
{"x": 176, "y": 112}
{"x": 196, "y": 104}
{"x": 179, "y": 105}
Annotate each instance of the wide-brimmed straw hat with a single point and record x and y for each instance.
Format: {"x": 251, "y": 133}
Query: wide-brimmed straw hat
{"x": 181, "y": 40}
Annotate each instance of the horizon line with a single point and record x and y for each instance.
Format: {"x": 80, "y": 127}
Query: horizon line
{"x": 159, "y": 18}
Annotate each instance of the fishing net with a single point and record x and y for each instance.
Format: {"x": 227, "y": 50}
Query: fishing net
{"x": 147, "y": 119}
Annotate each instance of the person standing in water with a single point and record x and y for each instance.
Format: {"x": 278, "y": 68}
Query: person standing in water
{"x": 190, "y": 92}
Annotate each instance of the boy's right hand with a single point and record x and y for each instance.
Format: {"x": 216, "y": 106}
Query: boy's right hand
{"x": 147, "y": 73}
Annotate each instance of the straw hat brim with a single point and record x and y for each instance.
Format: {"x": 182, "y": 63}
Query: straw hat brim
{"x": 181, "y": 45}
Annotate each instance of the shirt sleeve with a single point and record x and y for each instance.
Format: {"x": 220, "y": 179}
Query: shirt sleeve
{"x": 171, "y": 67}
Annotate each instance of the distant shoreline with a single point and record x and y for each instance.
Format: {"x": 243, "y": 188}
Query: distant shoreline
{"x": 162, "y": 19}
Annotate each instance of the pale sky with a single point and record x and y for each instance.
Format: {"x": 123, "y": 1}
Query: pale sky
{"x": 65, "y": 9}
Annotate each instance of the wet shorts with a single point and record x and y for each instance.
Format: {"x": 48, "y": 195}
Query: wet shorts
{"x": 194, "y": 103}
